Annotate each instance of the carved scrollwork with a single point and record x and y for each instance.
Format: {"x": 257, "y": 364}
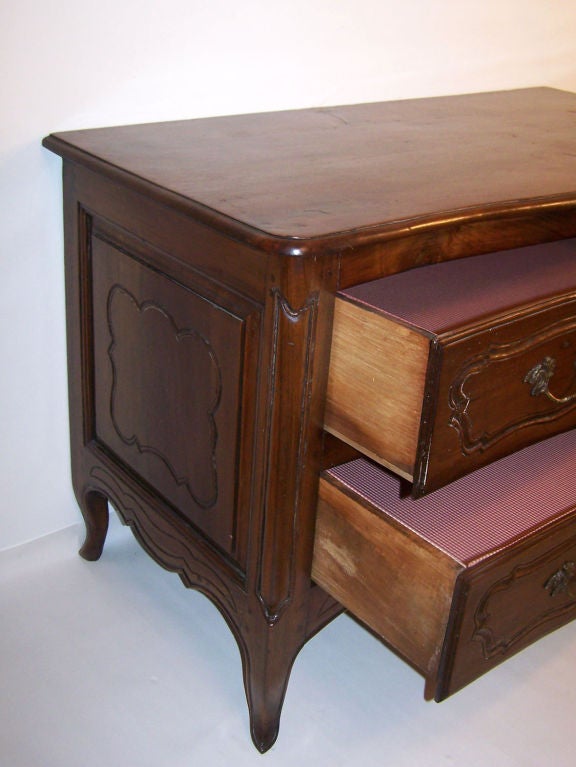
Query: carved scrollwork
{"x": 468, "y": 410}
{"x": 491, "y": 627}
{"x": 169, "y": 547}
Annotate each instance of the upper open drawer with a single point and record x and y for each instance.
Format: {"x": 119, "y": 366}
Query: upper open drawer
{"x": 440, "y": 370}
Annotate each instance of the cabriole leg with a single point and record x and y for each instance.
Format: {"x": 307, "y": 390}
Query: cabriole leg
{"x": 94, "y": 508}
{"x": 266, "y": 673}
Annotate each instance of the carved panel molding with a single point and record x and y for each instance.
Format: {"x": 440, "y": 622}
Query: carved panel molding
{"x": 289, "y": 391}
{"x": 494, "y": 371}
{"x": 492, "y": 626}
{"x": 133, "y": 325}
{"x": 172, "y": 357}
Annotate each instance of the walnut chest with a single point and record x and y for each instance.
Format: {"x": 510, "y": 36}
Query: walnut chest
{"x": 320, "y": 358}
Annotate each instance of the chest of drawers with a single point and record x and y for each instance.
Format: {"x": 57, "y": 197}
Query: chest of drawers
{"x": 207, "y": 263}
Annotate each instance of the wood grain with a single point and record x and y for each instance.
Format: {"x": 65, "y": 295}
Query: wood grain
{"x": 398, "y": 584}
{"x": 376, "y": 385}
{"x": 334, "y": 170}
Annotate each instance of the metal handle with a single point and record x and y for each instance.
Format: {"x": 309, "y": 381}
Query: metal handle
{"x": 559, "y": 581}
{"x": 539, "y": 378}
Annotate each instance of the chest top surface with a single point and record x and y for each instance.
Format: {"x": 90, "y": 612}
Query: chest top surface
{"x": 319, "y": 172}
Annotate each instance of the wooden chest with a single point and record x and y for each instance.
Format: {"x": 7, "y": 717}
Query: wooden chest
{"x": 219, "y": 288}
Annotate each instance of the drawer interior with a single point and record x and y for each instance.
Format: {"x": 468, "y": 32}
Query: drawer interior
{"x": 409, "y": 568}
{"x": 427, "y": 369}
{"x": 442, "y": 296}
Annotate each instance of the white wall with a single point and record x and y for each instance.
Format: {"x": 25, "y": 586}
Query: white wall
{"x": 73, "y": 64}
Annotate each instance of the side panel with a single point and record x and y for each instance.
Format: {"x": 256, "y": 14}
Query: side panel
{"x": 197, "y": 375}
{"x": 168, "y": 368}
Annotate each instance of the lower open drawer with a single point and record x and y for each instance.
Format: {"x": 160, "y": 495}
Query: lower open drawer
{"x": 461, "y": 579}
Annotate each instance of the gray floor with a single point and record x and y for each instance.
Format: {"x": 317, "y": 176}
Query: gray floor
{"x": 115, "y": 664}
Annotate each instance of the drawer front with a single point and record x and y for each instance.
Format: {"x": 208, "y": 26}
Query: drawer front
{"x": 500, "y": 387}
{"x": 509, "y": 604}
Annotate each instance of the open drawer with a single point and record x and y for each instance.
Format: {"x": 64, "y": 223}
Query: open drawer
{"x": 440, "y": 370}
{"x": 459, "y": 580}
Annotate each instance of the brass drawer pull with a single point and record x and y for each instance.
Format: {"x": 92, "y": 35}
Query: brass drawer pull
{"x": 539, "y": 378}
{"x": 561, "y": 579}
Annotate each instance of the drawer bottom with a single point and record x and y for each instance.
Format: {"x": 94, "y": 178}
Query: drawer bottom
{"x": 463, "y": 578}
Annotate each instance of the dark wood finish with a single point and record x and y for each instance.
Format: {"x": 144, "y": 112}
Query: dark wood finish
{"x": 409, "y": 163}
{"x": 132, "y": 308}
{"x": 218, "y": 245}
{"x": 510, "y": 602}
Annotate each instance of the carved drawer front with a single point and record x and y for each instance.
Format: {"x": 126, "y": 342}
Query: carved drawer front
{"x": 459, "y": 580}
{"x": 440, "y": 370}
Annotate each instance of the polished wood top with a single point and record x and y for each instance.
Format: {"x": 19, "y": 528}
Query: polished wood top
{"x": 319, "y": 172}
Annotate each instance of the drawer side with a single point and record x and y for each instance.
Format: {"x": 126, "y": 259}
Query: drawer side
{"x": 376, "y": 385}
{"x": 395, "y": 582}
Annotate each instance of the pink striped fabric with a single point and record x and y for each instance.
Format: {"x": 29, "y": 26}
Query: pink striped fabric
{"x": 484, "y": 510}
{"x": 445, "y": 295}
